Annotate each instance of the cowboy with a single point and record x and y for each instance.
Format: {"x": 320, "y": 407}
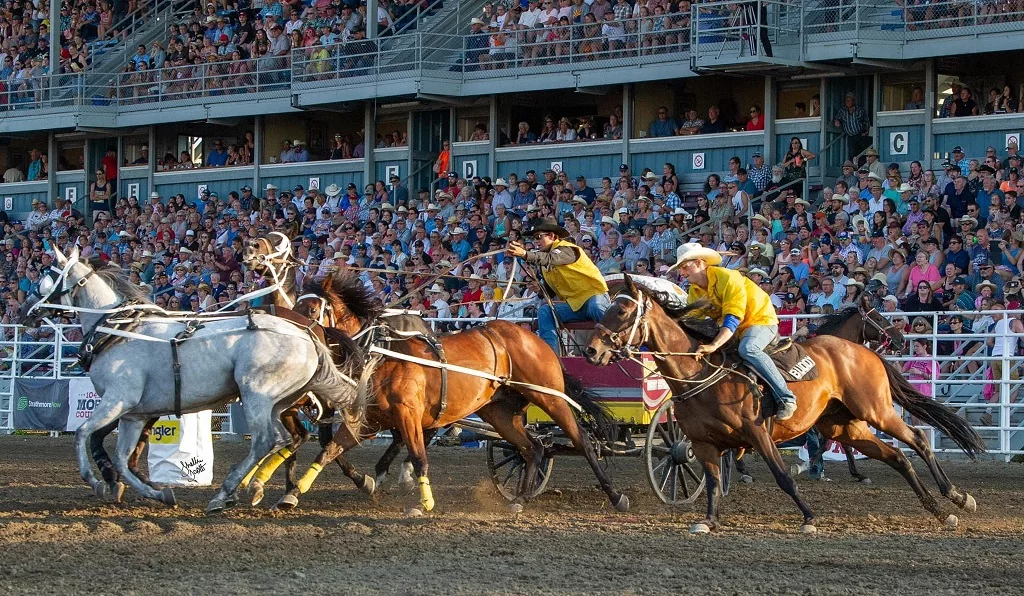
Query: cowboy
{"x": 743, "y": 309}
{"x": 569, "y": 274}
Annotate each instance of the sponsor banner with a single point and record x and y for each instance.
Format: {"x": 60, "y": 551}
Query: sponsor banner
{"x": 833, "y": 453}
{"x": 181, "y": 451}
{"x": 40, "y": 404}
{"x": 82, "y": 400}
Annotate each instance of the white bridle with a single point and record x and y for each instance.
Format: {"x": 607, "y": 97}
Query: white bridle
{"x": 639, "y": 326}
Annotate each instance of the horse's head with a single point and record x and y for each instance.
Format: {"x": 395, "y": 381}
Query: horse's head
{"x": 57, "y": 287}
{"x": 880, "y": 329}
{"x": 320, "y": 303}
{"x": 622, "y": 328}
{"x": 260, "y": 254}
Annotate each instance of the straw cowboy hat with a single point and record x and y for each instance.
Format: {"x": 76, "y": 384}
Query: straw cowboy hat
{"x": 332, "y": 190}
{"x": 501, "y": 182}
{"x": 546, "y": 224}
{"x": 691, "y": 251}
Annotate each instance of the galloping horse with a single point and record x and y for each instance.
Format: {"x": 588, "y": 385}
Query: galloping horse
{"x": 220, "y": 359}
{"x": 718, "y": 407}
{"x": 495, "y": 371}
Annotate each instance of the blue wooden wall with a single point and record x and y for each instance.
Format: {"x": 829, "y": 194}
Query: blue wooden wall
{"x": 22, "y": 194}
{"x": 220, "y": 180}
{"x": 914, "y": 143}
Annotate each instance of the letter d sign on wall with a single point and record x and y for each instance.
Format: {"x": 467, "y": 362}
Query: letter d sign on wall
{"x": 898, "y": 143}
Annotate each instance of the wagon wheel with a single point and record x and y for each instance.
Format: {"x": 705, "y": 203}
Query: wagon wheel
{"x": 728, "y": 465}
{"x": 672, "y": 470}
{"x": 507, "y": 467}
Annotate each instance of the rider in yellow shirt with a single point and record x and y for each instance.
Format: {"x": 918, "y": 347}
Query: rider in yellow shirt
{"x": 569, "y": 273}
{"x": 742, "y": 309}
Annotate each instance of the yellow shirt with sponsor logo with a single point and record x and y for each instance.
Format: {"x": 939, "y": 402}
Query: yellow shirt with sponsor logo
{"x": 731, "y": 293}
{"x": 576, "y": 282}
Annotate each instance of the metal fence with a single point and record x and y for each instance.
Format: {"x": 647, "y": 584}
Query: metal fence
{"x": 42, "y": 92}
{"x": 963, "y": 376}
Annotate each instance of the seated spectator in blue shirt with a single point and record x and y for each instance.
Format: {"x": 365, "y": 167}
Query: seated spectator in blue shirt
{"x": 663, "y": 126}
{"x": 218, "y": 157}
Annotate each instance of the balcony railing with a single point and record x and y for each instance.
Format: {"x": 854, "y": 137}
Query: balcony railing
{"x": 36, "y": 93}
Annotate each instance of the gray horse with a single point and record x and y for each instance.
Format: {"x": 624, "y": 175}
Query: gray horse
{"x": 264, "y": 360}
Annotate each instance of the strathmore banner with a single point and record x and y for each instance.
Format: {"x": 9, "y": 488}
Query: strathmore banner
{"x": 40, "y": 404}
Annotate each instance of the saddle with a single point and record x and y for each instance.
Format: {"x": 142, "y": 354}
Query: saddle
{"x": 792, "y": 361}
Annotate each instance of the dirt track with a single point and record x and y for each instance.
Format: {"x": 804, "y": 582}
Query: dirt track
{"x": 57, "y": 538}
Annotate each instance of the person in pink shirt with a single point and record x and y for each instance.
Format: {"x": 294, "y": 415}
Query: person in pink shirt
{"x": 923, "y": 270}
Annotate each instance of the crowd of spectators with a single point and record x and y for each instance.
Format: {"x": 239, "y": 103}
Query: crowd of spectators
{"x": 913, "y": 241}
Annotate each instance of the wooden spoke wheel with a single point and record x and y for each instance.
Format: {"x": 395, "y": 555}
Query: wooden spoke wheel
{"x": 507, "y": 468}
{"x": 672, "y": 470}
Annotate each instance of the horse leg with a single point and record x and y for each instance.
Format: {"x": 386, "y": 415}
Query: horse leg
{"x": 331, "y": 450}
{"x": 507, "y": 421}
{"x": 851, "y": 463}
{"x": 128, "y": 435}
{"x": 107, "y": 413}
{"x": 285, "y": 455}
{"x": 406, "y": 483}
{"x": 409, "y": 423}
{"x": 264, "y": 419}
{"x": 383, "y": 466}
{"x": 741, "y": 467}
{"x": 710, "y": 458}
{"x": 117, "y": 487}
{"x": 858, "y": 435}
{"x": 762, "y": 442}
{"x": 104, "y": 463}
{"x": 915, "y": 438}
{"x": 559, "y": 411}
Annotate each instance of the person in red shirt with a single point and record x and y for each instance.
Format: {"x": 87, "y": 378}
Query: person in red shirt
{"x": 109, "y": 162}
{"x": 789, "y": 307}
{"x": 756, "y": 121}
{"x": 474, "y": 290}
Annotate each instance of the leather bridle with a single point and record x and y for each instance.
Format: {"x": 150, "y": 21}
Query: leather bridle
{"x": 638, "y": 330}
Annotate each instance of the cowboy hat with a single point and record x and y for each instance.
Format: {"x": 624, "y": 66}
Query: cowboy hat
{"x": 905, "y": 188}
{"x": 691, "y": 251}
{"x": 853, "y": 282}
{"x": 871, "y": 151}
{"x": 332, "y": 190}
{"x": 987, "y": 284}
{"x": 758, "y": 271}
{"x": 500, "y": 182}
{"x": 880, "y": 277}
{"x": 457, "y": 230}
{"x": 579, "y": 199}
{"x": 762, "y": 219}
{"x": 608, "y": 220}
{"x": 546, "y": 224}
{"x": 843, "y": 198}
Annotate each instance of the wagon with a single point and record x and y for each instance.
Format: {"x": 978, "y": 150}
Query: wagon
{"x": 640, "y": 401}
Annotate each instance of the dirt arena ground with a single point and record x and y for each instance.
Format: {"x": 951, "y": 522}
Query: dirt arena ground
{"x": 55, "y": 537}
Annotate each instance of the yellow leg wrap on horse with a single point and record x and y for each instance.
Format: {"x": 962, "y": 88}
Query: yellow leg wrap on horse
{"x": 307, "y": 479}
{"x": 271, "y": 464}
{"x": 426, "y": 495}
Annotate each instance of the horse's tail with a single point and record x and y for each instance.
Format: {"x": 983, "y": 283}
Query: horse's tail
{"x": 932, "y": 412}
{"x": 337, "y": 384}
{"x": 595, "y": 415}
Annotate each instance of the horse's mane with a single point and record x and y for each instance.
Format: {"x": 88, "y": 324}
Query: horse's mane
{"x": 347, "y": 291}
{"x": 115, "y": 277}
{"x": 702, "y": 328}
{"x": 831, "y": 323}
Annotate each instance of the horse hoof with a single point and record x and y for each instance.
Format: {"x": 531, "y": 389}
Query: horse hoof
{"x": 116, "y": 492}
{"x": 406, "y": 487}
{"x": 100, "y": 490}
{"x": 952, "y": 521}
{"x": 865, "y": 480}
{"x": 747, "y": 479}
{"x": 701, "y": 528}
{"x": 369, "y": 485}
{"x": 288, "y": 502}
{"x": 167, "y": 497}
{"x": 414, "y": 512}
{"x": 794, "y": 470}
{"x": 256, "y": 491}
{"x": 622, "y": 504}
{"x": 216, "y": 507}
{"x": 515, "y": 508}
{"x": 970, "y": 505}
{"x": 808, "y": 529}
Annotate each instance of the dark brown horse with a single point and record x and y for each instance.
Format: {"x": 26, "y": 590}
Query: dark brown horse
{"x": 517, "y": 368}
{"x": 855, "y": 388}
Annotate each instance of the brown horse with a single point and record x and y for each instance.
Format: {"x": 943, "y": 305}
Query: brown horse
{"x": 727, "y": 414}
{"x": 517, "y": 368}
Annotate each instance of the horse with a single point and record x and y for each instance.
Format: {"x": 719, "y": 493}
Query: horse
{"x": 221, "y": 358}
{"x": 494, "y": 370}
{"x": 859, "y": 325}
{"x": 271, "y": 257}
{"x": 719, "y": 406}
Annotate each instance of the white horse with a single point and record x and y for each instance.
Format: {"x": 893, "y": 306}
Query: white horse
{"x": 264, "y": 360}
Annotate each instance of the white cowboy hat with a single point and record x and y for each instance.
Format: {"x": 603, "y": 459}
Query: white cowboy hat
{"x": 844, "y": 198}
{"x": 759, "y": 271}
{"x": 906, "y": 188}
{"x": 762, "y": 219}
{"x": 271, "y": 187}
{"x": 458, "y": 230}
{"x": 500, "y": 182}
{"x": 579, "y": 199}
{"x": 476, "y": 22}
{"x": 692, "y": 250}
{"x": 679, "y": 211}
{"x": 608, "y": 220}
{"x": 435, "y": 289}
{"x": 387, "y": 207}
{"x": 332, "y": 190}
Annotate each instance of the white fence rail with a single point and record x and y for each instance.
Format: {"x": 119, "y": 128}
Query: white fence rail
{"x": 963, "y": 363}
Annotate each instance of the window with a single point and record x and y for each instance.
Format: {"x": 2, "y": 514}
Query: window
{"x": 902, "y": 92}
{"x": 798, "y": 99}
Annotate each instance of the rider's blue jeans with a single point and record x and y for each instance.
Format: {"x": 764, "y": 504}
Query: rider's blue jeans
{"x": 752, "y": 344}
{"x": 592, "y": 310}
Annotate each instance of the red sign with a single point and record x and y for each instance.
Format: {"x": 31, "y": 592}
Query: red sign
{"x": 655, "y": 389}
